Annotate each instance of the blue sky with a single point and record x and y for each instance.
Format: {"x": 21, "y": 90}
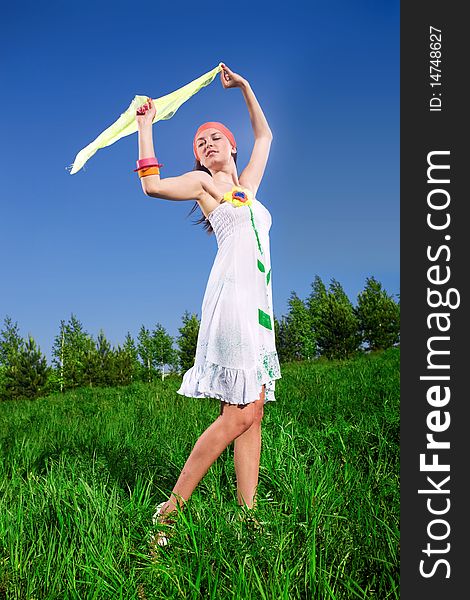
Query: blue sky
{"x": 327, "y": 77}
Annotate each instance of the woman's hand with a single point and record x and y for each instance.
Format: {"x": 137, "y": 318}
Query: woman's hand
{"x": 145, "y": 114}
{"x": 230, "y": 79}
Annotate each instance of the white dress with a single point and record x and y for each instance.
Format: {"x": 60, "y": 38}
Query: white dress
{"x": 236, "y": 352}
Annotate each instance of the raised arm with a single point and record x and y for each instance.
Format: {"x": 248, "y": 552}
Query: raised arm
{"x": 185, "y": 187}
{"x": 253, "y": 173}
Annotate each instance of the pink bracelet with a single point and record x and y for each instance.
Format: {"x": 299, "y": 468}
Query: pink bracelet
{"x": 142, "y": 163}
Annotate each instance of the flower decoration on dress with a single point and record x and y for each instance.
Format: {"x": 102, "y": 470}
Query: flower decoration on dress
{"x": 239, "y": 196}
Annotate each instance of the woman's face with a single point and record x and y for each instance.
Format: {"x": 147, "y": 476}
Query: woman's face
{"x": 213, "y": 148}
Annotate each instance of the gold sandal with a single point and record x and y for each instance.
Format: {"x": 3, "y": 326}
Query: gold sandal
{"x": 160, "y": 538}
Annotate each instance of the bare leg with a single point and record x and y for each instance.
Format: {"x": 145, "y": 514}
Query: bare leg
{"x": 232, "y": 422}
{"x": 247, "y": 457}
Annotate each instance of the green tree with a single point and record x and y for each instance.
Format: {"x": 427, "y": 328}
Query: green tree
{"x": 284, "y": 345}
{"x": 145, "y": 352}
{"x": 127, "y": 361}
{"x": 11, "y": 341}
{"x": 299, "y": 333}
{"x": 277, "y": 335}
{"x": 26, "y": 375}
{"x": 378, "y": 315}
{"x": 105, "y": 359}
{"x": 123, "y": 367}
{"x": 187, "y": 341}
{"x": 163, "y": 351}
{"x": 58, "y": 358}
{"x": 98, "y": 362}
{"x": 336, "y": 324}
{"x": 316, "y": 299}
{"x": 71, "y": 354}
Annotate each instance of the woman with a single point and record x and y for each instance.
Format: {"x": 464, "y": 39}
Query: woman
{"x": 236, "y": 359}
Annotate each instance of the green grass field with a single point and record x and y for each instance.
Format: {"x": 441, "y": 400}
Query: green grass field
{"x": 82, "y": 472}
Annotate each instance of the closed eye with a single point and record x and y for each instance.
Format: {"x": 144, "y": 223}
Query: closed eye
{"x": 202, "y": 142}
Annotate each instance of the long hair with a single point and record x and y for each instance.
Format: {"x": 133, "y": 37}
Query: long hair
{"x": 207, "y": 226}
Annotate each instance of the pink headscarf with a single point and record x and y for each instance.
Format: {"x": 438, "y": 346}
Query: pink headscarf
{"x": 216, "y": 125}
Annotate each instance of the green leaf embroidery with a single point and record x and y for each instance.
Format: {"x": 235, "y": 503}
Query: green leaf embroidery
{"x": 256, "y": 231}
{"x": 264, "y": 319}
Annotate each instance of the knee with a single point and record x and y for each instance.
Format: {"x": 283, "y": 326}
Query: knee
{"x": 258, "y": 414}
{"x": 245, "y": 419}
{"x": 250, "y": 414}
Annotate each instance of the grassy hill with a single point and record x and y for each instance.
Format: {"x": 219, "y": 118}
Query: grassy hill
{"x": 81, "y": 473}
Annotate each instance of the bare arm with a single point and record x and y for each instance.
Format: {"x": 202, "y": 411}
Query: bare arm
{"x": 253, "y": 173}
{"x": 258, "y": 120}
{"x": 185, "y": 187}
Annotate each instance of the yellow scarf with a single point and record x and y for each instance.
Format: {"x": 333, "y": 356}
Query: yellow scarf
{"x": 166, "y": 106}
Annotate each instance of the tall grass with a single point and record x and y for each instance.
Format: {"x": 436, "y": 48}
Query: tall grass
{"x": 82, "y": 472}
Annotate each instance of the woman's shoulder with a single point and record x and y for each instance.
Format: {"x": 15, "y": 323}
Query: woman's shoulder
{"x": 201, "y": 176}
{"x": 211, "y": 196}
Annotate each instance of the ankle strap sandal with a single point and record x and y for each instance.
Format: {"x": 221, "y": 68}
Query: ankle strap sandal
{"x": 161, "y": 538}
